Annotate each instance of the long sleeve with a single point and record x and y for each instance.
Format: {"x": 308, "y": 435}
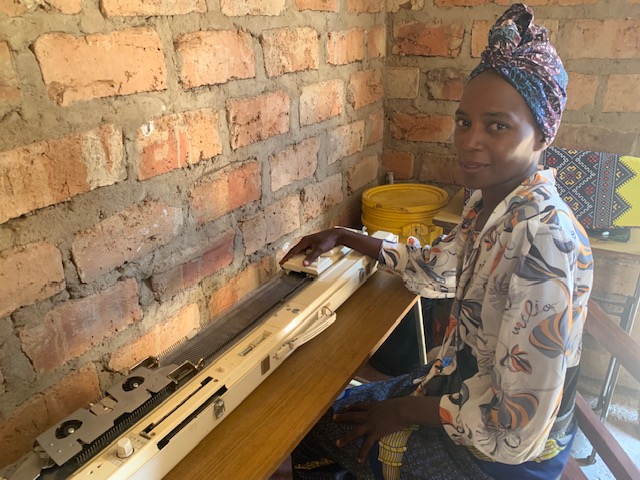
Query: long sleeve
{"x": 429, "y": 271}
{"x": 530, "y": 318}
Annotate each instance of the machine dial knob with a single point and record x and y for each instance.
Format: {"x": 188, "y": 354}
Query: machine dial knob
{"x": 124, "y": 448}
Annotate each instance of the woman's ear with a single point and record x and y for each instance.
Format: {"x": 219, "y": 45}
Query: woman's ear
{"x": 541, "y": 143}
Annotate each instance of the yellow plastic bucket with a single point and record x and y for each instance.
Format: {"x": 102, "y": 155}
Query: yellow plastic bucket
{"x": 405, "y": 209}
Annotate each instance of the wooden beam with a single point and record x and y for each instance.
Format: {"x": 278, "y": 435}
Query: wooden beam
{"x": 605, "y": 444}
{"x": 573, "y": 471}
{"x": 613, "y": 338}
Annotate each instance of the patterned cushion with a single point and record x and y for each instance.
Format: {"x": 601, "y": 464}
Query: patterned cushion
{"x": 602, "y": 189}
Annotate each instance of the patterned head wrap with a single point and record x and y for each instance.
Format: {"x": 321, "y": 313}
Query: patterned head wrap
{"x": 521, "y": 54}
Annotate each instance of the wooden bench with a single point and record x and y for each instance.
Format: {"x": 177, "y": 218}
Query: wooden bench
{"x": 620, "y": 345}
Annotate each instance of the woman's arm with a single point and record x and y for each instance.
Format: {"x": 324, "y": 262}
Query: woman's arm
{"x": 374, "y": 420}
{"x": 318, "y": 243}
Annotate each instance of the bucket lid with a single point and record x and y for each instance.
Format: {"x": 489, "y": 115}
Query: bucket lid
{"x": 405, "y": 197}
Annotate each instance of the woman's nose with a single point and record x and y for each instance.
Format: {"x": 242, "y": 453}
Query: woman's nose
{"x": 469, "y": 138}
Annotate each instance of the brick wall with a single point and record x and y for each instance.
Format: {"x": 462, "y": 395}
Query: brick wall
{"x": 435, "y": 45}
{"x": 154, "y": 159}
{"x": 156, "y": 156}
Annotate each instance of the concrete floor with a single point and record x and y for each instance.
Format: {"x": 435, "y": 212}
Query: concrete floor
{"x": 624, "y": 424}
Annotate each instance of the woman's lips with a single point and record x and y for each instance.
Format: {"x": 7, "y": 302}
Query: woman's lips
{"x": 472, "y": 166}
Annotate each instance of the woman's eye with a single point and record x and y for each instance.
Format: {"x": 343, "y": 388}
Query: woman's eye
{"x": 461, "y": 122}
{"x": 497, "y": 126}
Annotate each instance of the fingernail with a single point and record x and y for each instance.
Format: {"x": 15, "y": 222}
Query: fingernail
{"x": 306, "y": 263}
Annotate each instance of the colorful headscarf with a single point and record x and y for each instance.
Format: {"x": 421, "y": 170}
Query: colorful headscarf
{"x": 522, "y": 54}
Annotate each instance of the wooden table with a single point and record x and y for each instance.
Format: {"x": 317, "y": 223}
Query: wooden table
{"x": 262, "y": 431}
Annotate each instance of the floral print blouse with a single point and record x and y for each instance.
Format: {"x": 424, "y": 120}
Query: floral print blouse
{"x": 521, "y": 287}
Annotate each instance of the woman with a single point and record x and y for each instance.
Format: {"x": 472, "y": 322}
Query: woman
{"x": 498, "y": 401}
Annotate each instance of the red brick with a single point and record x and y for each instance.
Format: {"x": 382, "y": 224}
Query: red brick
{"x": 124, "y": 237}
{"x": 365, "y": 6}
{"x": 68, "y": 7}
{"x": 534, "y": 3}
{"x": 459, "y": 3}
{"x": 289, "y": 50}
{"x": 74, "y": 391}
{"x": 72, "y": 328}
{"x": 480, "y": 37}
{"x": 94, "y": 66}
{"x": 365, "y": 88}
{"x": 320, "y": 197}
{"x": 400, "y": 163}
{"x": 211, "y": 58}
{"x": 431, "y": 40}
{"x": 375, "y": 127}
{"x": 45, "y": 346}
{"x": 346, "y": 140}
{"x": 421, "y": 128}
{"x": 595, "y": 138}
{"x": 394, "y": 6}
{"x": 321, "y": 101}
{"x": 19, "y": 429}
{"x": 59, "y": 170}
{"x": 294, "y": 163}
{"x": 254, "y": 119}
{"x": 318, "y": 5}
{"x": 234, "y": 8}
{"x": 439, "y": 169}
{"x": 229, "y": 293}
{"x": 9, "y": 85}
{"x": 175, "y": 141}
{"x": 202, "y": 261}
{"x": 12, "y": 8}
{"x": 160, "y": 338}
{"x": 377, "y": 41}
{"x": 28, "y": 275}
{"x": 362, "y": 173}
{"x": 44, "y": 410}
{"x": 130, "y": 8}
{"x": 581, "y": 91}
{"x": 622, "y": 94}
{"x": 345, "y": 47}
{"x": 401, "y": 82}
{"x": 273, "y": 222}
{"x": 446, "y": 84}
{"x": 223, "y": 192}
{"x": 615, "y": 38}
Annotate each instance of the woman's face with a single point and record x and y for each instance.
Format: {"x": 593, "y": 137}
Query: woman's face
{"x": 496, "y": 138}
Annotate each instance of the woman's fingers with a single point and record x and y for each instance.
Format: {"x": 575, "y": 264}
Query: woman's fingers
{"x": 351, "y": 417}
{"x": 317, "y": 244}
{"x": 353, "y": 434}
{"x": 300, "y": 247}
{"x": 367, "y": 445}
{"x": 358, "y": 406}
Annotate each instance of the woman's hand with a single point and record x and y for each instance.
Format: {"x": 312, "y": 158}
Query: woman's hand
{"x": 315, "y": 245}
{"x": 318, "y": 243}
{"x": 373, "y": 420}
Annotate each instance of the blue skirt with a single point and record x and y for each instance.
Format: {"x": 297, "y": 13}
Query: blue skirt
{"x": 430, "y": 454}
